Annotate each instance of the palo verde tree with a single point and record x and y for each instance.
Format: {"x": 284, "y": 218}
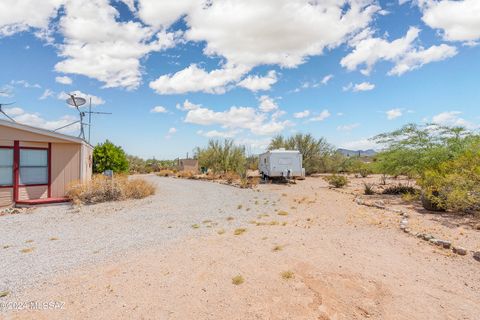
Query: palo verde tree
{"x": 222, "y": 157}
{"x": 107, "y": 156}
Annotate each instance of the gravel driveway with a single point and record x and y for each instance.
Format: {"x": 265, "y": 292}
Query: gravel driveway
{"x": 59, "y": 238}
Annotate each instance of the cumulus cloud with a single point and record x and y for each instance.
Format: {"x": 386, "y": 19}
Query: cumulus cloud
{"x": 35, "y": 120}
{"x": 458, "y": 20}
{"x": 362, "y": 144}
{"x": 25, "y": 84}
{"x": 403, "y": 52}
{"x": 321, "y": 116}
{"x": 237, "y": 118}
{"x": 171, "y": 132}
{"x": 256, "y": 83}
{"x": 279, "y": 32}
{"x": 394, "y": 113}
{"x": 187, "y": 105}
{"x": 452, "y": 119}
{"x": 302, "y": 114}
{"x": 95, "y": 100}
{"x": 196, "y": 79}
{"x": 363, "y": 86}
{"x": 267, "y": 104}
{"x": 64, "y": 80}
{"x": 158, "y": 109}
{"x": 326, "y": 79}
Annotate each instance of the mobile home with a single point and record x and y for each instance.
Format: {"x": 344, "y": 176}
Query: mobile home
{"x": 281, "y": 163}
{"x": 37, "y": 165}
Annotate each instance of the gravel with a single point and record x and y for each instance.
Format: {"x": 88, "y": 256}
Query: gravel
{"x": 53, "y": 240}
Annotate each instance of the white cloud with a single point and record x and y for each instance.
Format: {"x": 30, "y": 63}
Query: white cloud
{"x": 99, "y": 46}
{"x": 6, "y": 91}
{"x": 21, "y": 15}
{"x": 458, "y": 20}
{"x": 348, "y": 127}
{"x": 170, "y": 133}
{"x": 35, "y": 120}
{"x": 394, "y": 113}
{"x": 452, "y": 119}
{"x": 47, "y": 93}
{"x": 63, "y": 80}
{"x": 95, "y": 100}
{"x": 257, "y": 83}
{"x": 403, "y": 52}
{"x": 326, "y": 79}
{"x": 282, "y": 32}
{"x": 363, "y": 86}
{"x": 218, "y": 134}
{"x": 187, "y": 105}
{"x": 158, "y": 109}
{"x": 25, "y": 84}
{"x": 362, "y": 144}
{"x": 267, "y": 104}
{"x": 322, "y": 116}
{"x": 237, "y": 118}
{"x": 195, "y": 79}
{"x": 302, "y": 114}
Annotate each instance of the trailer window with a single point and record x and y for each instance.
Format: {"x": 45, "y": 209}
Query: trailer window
{"x": 284, "y": 161}
{"x": 33, "y": 167}
{"x": 6, "y": 167}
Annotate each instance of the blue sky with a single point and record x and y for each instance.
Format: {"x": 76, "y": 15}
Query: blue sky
{"x": 248, "y": 70}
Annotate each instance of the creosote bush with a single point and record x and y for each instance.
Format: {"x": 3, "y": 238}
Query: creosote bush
{"x": 103, "y": 189}
{"x": 337, "y": 181}
{"x": 400, "y": 189}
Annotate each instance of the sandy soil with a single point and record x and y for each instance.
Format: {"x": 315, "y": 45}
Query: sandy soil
{"x": 347, "y": 262}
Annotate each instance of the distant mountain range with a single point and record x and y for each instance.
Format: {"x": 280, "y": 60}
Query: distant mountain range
{"x": 361, "y": 153}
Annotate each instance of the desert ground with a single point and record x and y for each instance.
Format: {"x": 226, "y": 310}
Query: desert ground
{"x": 202, "y": 250}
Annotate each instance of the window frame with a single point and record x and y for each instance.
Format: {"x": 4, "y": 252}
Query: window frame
{"x": 47, "y": 167}
{"x": 13, "y": 167}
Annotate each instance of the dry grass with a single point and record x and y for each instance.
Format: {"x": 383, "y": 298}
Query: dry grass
{"x": 221, "y": 231}
{"x": 4, "y": 294}
{"x": 230, "y": 218}
{"x": 239, "y": 206}
{"x": 277, "y": 248}
{"x": 27, "y": 250}
{"x": 29, "y": 241}
{"x": 282, "y": 213}
{"x": 287, "y": 275}
{"x": 185, "y": 174}
{"x": 195, "y": 226}
{"x": 166, "y": 173}
{"x": 238, "y": 280}
{"x": 239, "y": 231}
{"x": 103, "y": 189}
{"x": 53, "y": 239}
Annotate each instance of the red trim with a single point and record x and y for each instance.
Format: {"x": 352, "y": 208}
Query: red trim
{"x": 34, "y": 148}
{"x": 6, "y": 147}
{"x": 43, "y": 201}
{"x": 49, "y": 169}
{"x": 16, "y": 168}
{"x": 5, "y": 187}
{"x": 33, "y": 185}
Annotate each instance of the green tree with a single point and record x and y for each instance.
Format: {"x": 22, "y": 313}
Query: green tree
{"x": 222, "y": 157}
{"x": 107, "y": 156}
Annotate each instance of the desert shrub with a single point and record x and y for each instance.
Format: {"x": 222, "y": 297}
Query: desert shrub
{"x": 400, "y": 189}
{"x": 337, "y": 181}
{"x": 368, "y": 189}
{"x": 222, "y": 157}
{"x": 365, "y": 172}
{"x": 103, "y": 189}
{"x": 107, "y": 156}
{"x": 165, "y": 173}
{"x": 455, "y": 184}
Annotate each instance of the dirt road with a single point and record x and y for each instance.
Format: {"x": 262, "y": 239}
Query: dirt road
{"x": 315, "y": 254}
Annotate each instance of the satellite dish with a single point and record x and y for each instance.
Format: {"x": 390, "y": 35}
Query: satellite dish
{"x": 76, "y": 101}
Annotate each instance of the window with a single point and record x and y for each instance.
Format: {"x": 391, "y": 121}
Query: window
{"x": 6, "y": 167}
{"x": 33, "y": 166}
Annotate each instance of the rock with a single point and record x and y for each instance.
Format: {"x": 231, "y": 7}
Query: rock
{"x": 403, "y": 227}
{"x": 433, "y": 241}
{"x": 459, "y": 250}
{"x": 420, "y": 235}
{"x": 405, "y": 221}
{"x": 406, "y": 230}
{"x": 427, "y": 237}
{"x": 444, "y": 243}
{"x": 477, "y": 226}
{"x": 476, "y": 256}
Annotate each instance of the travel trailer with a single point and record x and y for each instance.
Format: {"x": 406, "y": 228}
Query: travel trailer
{"x": 281, "y": 163}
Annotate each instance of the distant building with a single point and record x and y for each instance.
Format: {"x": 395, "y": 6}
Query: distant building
{"x": 187, "y": 165}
